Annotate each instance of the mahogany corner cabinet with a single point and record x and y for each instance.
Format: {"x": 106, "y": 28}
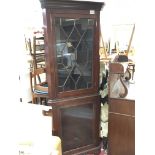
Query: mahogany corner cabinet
{"x": 71, "y": 31}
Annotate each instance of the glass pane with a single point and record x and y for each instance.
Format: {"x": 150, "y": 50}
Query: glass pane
{"x": 77, "y": 126}
{"x": 74, "y": 50}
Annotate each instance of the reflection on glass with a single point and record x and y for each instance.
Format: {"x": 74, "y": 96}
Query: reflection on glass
{"x": 74, "y": 49}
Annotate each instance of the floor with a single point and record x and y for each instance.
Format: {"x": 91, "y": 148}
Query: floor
{"x": 103, "y": 152}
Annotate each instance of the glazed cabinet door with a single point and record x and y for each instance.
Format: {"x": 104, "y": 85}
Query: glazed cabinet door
{"x": 73, "y": 57}
{"x": 74, "y": 53}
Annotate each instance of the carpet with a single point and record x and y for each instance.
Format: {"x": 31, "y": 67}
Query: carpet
{"x": 103, "y": 152}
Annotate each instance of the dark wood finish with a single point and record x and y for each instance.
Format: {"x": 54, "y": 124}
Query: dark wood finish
{"x": 75, "y": 104}
{"x": 77, "y": 123}
{"x": 51, "y": 56}
{"x": 121, "y": 137}
{"x": 121, "y": 125}
{"x": 71, "y": 5}
{"x": 123, "y": 107}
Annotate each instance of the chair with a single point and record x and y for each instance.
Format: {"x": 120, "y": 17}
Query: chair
{"x": 39, "y": 89}
{"x": 38, "y": 52}
{"x": 35, "y": 47}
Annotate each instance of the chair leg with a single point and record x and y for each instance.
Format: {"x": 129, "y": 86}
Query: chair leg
{"x": 33, "y": 100}
{"x": 39, "y": 100}
{"x": 42, "y": 100}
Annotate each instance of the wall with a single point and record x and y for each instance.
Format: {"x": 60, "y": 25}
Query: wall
{"x": 117, "y": 19}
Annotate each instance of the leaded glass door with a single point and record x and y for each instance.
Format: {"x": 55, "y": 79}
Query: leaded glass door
{"x": 74, "y": 53}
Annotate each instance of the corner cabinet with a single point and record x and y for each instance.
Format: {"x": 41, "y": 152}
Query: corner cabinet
{"x": 71, "y": 31}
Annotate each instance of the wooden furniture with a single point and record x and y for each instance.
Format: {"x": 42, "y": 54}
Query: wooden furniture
{"x": 38, "y": 51}
{"x": 121, "y": 127}
{"x": 39, "y": 87}
{"x": 35, "y": 46}
{"x": 72, "y": 61}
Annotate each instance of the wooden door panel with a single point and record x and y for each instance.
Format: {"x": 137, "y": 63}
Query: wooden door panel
{"x": 121, "y": 135}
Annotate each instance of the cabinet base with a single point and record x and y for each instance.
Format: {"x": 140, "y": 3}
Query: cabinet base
{"x": 90, "y": 151}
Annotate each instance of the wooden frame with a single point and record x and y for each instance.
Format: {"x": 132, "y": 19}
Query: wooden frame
{"x": 39, "y": 86}
{"x": 67, "y": 105}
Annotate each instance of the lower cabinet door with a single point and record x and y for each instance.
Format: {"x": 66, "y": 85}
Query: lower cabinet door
{"x": 77, "y": 126}
{"x": 121, "y": 134}
{"x": 76, "y": 122}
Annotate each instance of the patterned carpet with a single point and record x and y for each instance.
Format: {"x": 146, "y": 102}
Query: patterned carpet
{"x": 101, "y": 153}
